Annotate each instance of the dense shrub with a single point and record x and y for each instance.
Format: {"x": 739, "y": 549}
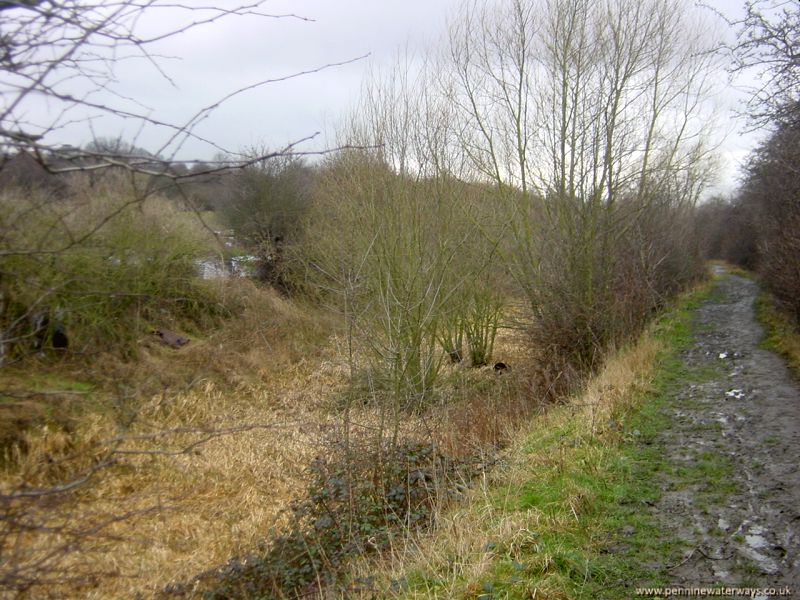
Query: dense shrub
{"x": 728, "y": 231}
{"x": 601, "y": 273}
{"x": 411, "y": 273}
{"x": 264, "y": 205}
{"x": 108, "y": 265}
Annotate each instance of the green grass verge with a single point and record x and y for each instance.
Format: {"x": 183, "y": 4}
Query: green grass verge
{"x": 614, "y": 542}
{"x": 782, "y": 336}
{"x": 591, "y": 533}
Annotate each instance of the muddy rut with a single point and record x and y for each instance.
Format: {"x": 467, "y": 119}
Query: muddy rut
{"x": 738, "y": 413}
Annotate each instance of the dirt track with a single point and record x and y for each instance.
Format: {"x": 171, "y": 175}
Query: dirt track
{"x": 739, "y": 414}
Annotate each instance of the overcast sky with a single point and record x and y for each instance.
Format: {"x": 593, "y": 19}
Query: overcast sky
{"x": 237, "y": 52}
{"x": 216, "y": 59}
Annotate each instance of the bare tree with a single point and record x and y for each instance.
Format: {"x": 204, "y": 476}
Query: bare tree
{"x": 769, "y": 199}
{"x": 583, "y": 115}
{"x": 769, "y": 44}
{"x": 69, "y": 57}
{"x": 765, "y": 212}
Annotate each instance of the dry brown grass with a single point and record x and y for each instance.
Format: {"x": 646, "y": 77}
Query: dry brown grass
{"x": 484, "y": 408}
{"x": 280, "y": 368}
{"x": 459, "y": 548}
{"x": 189, "y": 511}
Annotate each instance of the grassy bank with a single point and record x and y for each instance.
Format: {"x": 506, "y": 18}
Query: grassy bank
{"x": 567, "y": 514}
{"x": 200, "y": 448}
{"x": 782, "y": 335}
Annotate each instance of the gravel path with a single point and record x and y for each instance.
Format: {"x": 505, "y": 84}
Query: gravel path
{"x": 738, "y": 413}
